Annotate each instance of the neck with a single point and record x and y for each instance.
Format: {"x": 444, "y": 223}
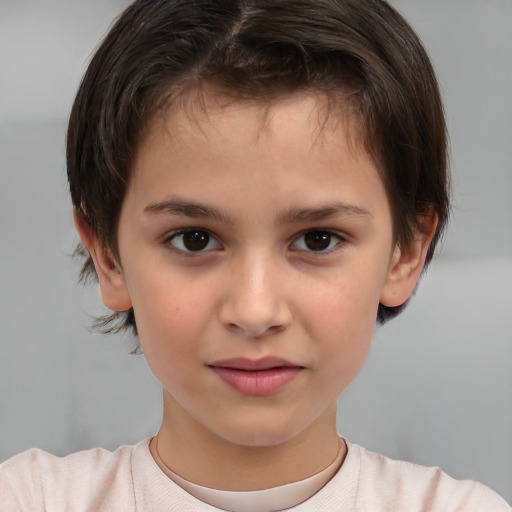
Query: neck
{"x": 194, "y": 452}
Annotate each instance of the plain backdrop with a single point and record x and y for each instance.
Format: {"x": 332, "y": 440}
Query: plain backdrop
{"x": 437, "y": 387}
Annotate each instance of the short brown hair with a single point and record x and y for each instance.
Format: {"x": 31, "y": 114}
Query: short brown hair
{"x": 158, "y": 50}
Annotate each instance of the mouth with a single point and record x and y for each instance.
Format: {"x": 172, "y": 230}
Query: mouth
{"x": 256, "y": 377}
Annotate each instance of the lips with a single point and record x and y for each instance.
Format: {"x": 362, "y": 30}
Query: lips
{"x": 256, "y": 377}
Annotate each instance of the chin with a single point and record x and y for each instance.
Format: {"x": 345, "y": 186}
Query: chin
{"x": 258, "y": 439}
{"x": 258, "y": 434}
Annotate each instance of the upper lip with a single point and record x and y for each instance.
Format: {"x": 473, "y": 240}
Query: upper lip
{"x": 244, "y": 363}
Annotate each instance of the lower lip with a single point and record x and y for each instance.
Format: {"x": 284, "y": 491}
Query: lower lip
{"x": 259, "y": 382}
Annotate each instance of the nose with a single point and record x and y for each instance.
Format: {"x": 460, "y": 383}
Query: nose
{"x": 255, "y": 303}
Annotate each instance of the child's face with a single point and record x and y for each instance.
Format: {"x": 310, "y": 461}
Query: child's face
{"x": 250, "y": 239}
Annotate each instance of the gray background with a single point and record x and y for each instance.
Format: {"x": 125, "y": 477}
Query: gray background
{"x": 437, "y": 388}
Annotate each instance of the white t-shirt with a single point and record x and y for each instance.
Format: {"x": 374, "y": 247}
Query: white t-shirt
{"x": 129, "y": 480}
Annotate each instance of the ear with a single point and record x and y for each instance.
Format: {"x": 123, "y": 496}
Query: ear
{"x": 407, "y": 264}
{"x": 114, "y": 291}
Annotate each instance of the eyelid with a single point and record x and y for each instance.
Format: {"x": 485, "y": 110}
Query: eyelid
{"x": 342, "y": 239}
{"x": 183, "y": 231}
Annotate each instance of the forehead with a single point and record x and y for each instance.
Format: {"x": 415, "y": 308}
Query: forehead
{"x": 291, "y": 151}
{"x": 206, "y": 113}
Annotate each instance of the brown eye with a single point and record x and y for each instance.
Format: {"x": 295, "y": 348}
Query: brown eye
{"x": 317, "y": 240}
{"x": 194, "y": 240}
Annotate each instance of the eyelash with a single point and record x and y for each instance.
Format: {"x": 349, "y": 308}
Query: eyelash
{"x": 331, "y": 247}
{"x": 190, "y": 231}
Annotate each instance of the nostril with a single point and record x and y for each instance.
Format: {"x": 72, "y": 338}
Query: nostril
{"x": 254, "y": 311}
{"x": 232, "y": 327}
{"x": 254, "y": 332}
{"x": 276, "y": 329}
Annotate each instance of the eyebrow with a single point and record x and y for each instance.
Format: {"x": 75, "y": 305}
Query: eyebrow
{"x": 196, "y": 210}
{"x": 322, "y": 212}
{"x": 189, "y": 209}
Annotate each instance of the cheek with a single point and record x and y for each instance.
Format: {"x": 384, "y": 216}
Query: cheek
{"x": 342, "y": 315}
{"x": 345, "y": 300}
{"x": 170, "y": 316}
{"x": 346, "y": 349}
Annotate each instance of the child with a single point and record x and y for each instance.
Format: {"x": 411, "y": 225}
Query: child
{"x": 256, "y": 182}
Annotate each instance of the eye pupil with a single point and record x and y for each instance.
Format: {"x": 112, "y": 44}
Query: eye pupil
{"x": 317, "y": 240}
{"x": 196, "y": 240}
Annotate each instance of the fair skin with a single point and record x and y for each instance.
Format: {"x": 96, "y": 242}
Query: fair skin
{"x": 249, "y": 233}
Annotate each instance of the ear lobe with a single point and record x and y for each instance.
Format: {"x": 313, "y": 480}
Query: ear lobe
{"x": 114, "y": 291}
{"x": 406, "y": 266}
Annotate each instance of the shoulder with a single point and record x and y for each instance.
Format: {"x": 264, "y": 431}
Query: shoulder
{"x": 37, "y": 480}
{"x": 388, "y": 484}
